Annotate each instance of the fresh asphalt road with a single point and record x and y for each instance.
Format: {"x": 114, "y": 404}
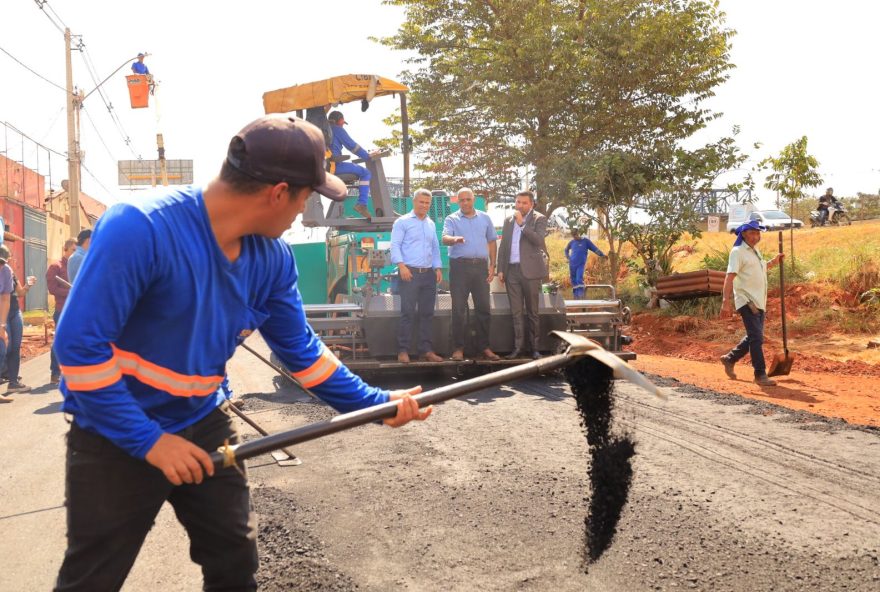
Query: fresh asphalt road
{"x": 490, "y": 493}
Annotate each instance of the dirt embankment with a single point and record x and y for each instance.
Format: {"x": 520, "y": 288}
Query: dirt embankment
{"x": 688, "y": 348}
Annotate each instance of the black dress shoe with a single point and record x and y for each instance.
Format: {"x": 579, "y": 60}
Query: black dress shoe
{"x": 536, "y": 355}
{"x": 513, "y": 355}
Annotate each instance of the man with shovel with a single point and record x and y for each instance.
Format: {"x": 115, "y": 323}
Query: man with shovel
{"x": 745, "y": 289}
{"x": 172, "y": 285}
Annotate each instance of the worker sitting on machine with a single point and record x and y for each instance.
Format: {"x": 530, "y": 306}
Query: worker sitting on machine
{"x": 338, "y": 167}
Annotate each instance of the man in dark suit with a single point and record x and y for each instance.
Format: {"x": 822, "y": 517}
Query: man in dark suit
{"x": 522, "y": 266}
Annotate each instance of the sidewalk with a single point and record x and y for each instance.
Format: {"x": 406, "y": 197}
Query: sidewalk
{"x": 32, "y": 516}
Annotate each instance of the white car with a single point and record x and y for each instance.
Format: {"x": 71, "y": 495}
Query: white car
{"x": 771, "y": 219}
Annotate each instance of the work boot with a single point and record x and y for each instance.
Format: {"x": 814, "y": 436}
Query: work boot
{"x": 431, "y": 357}
{"x": 403, "y": 357}
{"x": 457, "y": 356}
{"x": 55, "y": 379}
{"x": 728, "y": 367}
{"x": 17, "y": 387}
{"x": 764, "y": 380}
{"x": 362, "y": 210}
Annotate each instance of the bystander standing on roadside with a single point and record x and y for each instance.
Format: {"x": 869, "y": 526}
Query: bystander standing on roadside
{"x": 470, "y": 235}
{"x": 745, "y": 290}
{"x": 14, "y": 326}
{"x": 82, "y": 246}
{"x": 59, "y": 289}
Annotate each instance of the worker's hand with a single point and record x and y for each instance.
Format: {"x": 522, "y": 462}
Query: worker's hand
{"x": 518, "y": 217}
{"x": 778, "y": 259}
{"x": 180, "y": 460}
{"x": 726, "y": 310}
{"x": 500, "y": 277}
{"x": 405, "y": 273}
{"x": 408, "y": 408}
{"x": 438, "y": 275}
{"x": 490, "y": 277}
{"x": 375, "y": 154}
{"x": 4, "y": 336}
{"x": 457, "y": 240}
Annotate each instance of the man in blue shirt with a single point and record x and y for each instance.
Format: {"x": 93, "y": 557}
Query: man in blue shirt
{"x": 415, "y": 251}
{"x": 342, "y": 139}
{"x": 577, "y": 251}
{"x": 139, "y": 67}
{"x": 82, "y": 245}
{"x": 173, "y": 284}
{"x": 470, "y": 236}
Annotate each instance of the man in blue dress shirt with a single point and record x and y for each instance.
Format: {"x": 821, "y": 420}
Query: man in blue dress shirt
{"x": 470, "y": 236}
{"x": 415, "y": 251}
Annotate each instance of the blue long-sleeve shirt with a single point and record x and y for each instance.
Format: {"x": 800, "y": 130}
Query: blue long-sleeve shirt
{"x": 576, "y": 250}
{"x": 74, "y": 263}
{"x": 156, "y": 312}
{"x": 341, "y": 138}
{"x": 414, "y": 242}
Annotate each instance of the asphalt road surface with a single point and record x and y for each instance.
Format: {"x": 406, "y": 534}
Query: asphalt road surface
{"x": 491, "y": 494}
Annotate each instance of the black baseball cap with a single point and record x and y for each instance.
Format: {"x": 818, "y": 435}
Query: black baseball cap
{"x": 336, "y": 117}
{"x": 283, "y": 149}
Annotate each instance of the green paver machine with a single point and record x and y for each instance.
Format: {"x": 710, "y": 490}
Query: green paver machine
{"x": 348, "y": 282}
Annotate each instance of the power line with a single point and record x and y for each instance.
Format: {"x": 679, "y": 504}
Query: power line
{"x": 90, "y": 66}
{"x": 104, "y": 187}
{"x": 42, "y": 4}
{"x": 32, "y": 71}
{"x": 94, "y": 127}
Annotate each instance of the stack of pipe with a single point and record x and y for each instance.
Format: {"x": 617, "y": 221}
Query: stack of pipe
{"x": 694, "y": 284}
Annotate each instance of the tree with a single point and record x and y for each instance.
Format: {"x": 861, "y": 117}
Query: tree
{"x": 650, "y": 199}
{"x": 559, "y": 88}
{"x": 792, "y": 170}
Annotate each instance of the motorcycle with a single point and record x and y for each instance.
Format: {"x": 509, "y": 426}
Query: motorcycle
{"x": 837, "y": 216}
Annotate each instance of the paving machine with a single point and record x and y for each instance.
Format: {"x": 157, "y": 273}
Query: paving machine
{"x": 350, "y": 286}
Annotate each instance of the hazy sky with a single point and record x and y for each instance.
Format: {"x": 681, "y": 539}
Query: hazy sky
{"x": 802, "y": 69}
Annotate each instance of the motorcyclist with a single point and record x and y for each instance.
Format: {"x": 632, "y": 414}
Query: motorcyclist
{"x": 825, "y": 202}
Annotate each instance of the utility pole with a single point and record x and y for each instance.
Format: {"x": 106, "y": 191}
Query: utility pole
{"x": 73, "y": 156}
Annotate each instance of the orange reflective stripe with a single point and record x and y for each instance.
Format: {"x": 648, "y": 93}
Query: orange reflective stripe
{"x": 90, "y": 378}
{"x": 174, "y": 383}
{"x": 96, "y": 368}
{"x": 321, "y": 370}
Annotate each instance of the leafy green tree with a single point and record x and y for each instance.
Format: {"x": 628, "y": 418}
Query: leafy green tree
{"x": 651, "y": 199}
{"x": 563, "y": 90}
{"x": 792, "y": 170}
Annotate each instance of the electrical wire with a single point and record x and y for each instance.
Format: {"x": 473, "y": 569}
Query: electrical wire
{"x": 100, "y": 137}
{"x": 104, "y": 187}
{"x": 32, "y": 71}
{"x": 42, "y": 4}
{"x": 90, "y": 66}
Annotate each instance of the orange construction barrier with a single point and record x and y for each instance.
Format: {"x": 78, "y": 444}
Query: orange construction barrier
{"x": 138, "y": 91}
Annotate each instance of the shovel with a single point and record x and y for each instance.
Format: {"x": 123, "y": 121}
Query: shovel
{"x": 578, "y": 346}
{"x": 781, "y": 364}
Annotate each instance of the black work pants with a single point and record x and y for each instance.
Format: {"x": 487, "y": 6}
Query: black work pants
{"x": 417, "y": 298}
{"x": 113, "y": 499}
{"x": 468, "y": 277}
{"x": 523, "y": 294}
